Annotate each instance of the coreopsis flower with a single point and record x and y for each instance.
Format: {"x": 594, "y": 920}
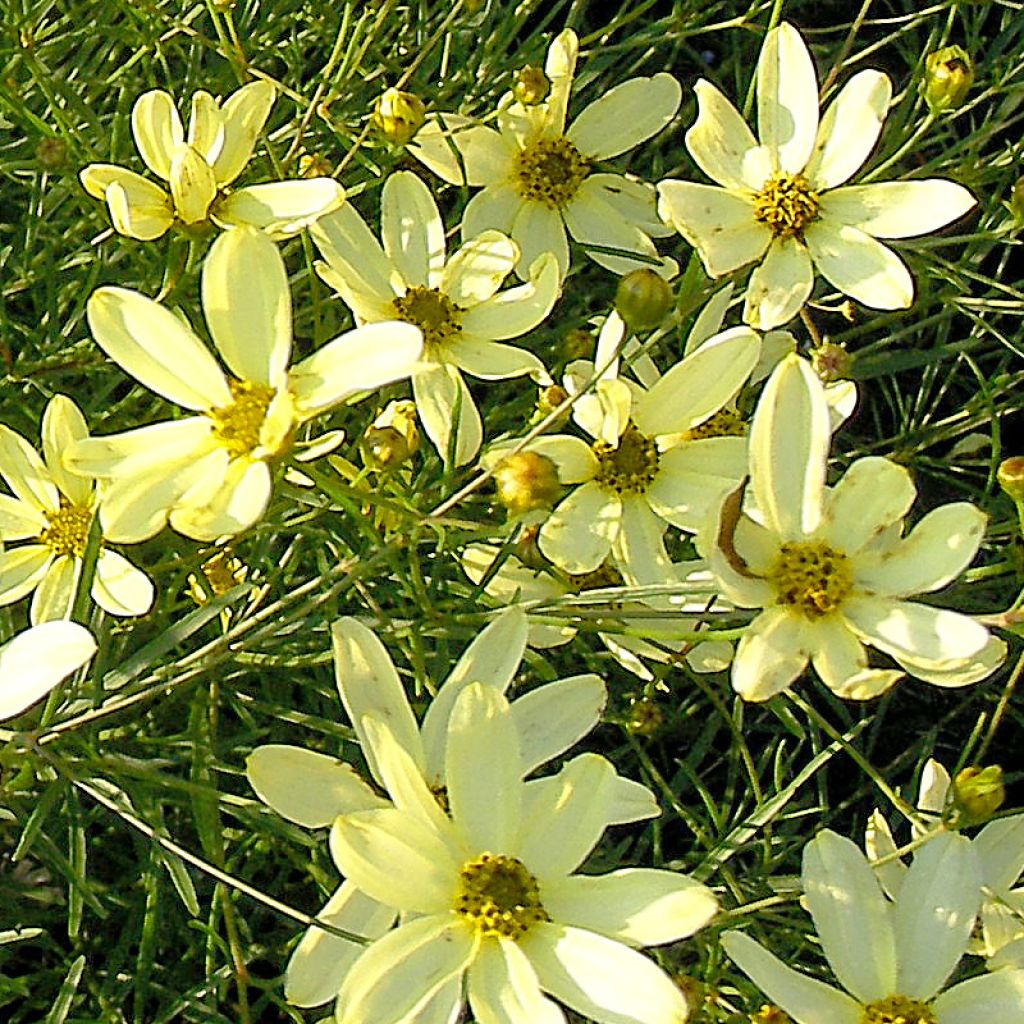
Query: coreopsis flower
{"x": 893, "y": 959}
{"x": 493, "y": 913}
{"x": 830, "y": 566}
{"x": 53, "y": 510}
{"x": 210, "y": 474}
{"x": 312, "y": 789}
{"x": 783, "y": 201}
{"x": 539, "y": 179}
{"x": 999, "y": 848}
{"x": 36, "y": 660}
{"x": 455, "y": 302}
{"x": 661, "y": 455}
{"x": 199, "y": 168}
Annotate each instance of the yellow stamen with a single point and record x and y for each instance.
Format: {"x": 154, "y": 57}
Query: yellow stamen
{"x": 499, "y": 896}
{"x": 432, "y": 312}
{"x": 787, "y": 204}
{"x": 67, "y": 531}
{"x": 631, "y": 467}
{"x": 237, "y": 426}
{"x": 898, "y": 1010}
{"x": 550, "y": 171}
{"x": 811, "y": 577}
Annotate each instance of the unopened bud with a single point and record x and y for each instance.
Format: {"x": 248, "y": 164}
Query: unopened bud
{"x": 1010, "y": 475}
{"x": 393, "y": 437}
{"x": 977, "y": 794}
{"x": 948, "y": 77}
{"x": 831, "y": 362}
{"x": 550, "y": 398}
{"x": 530, "y": 85}
{"x": 398, "y": 115}
{"x": 527, "y": 481}
{"x": 642, "y": 299}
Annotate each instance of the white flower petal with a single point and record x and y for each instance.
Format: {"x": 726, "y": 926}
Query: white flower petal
{"x": 560, "y": 66}
{"x": 19, "y": 520}
{"x": 579, "y": 533}
{"x": 789, "y": 442}
{"x": 63, "y": 425}
{"x": 639, "y": 547}
{"x": 787, "y": 99}
{"x": 780, "y": 285}
{"x": 22, "y": 569}
{"x": 352, "y": 252}
{"x": 938, "y": 902}
{"x": 859, "y": 266}
{"x": 444, "y": 404}
{"x": 771, "y": 654}
{"x": 151, "y": 343}
{"x": 994, "y": 997}
{"x": 516, "y": 311}
{"x": 236, "y": 504}
{"x": 599, "y": 978}
{"x": 462, "y": 152}
{"x": 26, "y": 473}
{"x": 898, "y": 209}
{"x": 138, "y": 208}
{"x": 624, "y": 116}
{"x": 205, "y": 127}
{"x": 306, "y": 787}
{"x": 160, "y": 447}
{"x": 593, "y": 221}
{"x": 37, "y": 659}
{"x": 961, "y": 672}
{"x": 840, "y": 659}
{"x": 491, "y": 209}
{"x": 157, "y": 129}
{"x": 635, "y": 202}
{"x": 411, "y": 230}
{"x": 193, "y": 186}
{"x": 638, "y": 906}
{"x": 244, "y": 112}
{"x": 873, "y": 494}
{"x": 851, "y": 916}
{"x": 55, "y": 593}
{"x": 280, "y": 208}
{"x": 502, "y": 985}
{"x": 490, "y": 360}
{"x": 119, "y": 588}
{"x": 538, "y": 229}
{"x": 806, "y": 1000}
{"x": 248, "y": 306}
{"x": 848, "y": 131}
{"x": 722, "y": 145}
{"x": 879, "y": 844}
{"x": 475, "y": 272}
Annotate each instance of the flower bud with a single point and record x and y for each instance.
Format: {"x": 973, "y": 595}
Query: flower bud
{"x": 393, "y": 437}
{"x": 977, "y": 794}
{"x": 831, "y": 362}
{"x": 642, "y": 299}
{"x": 398, "y": 115}
{"x": 1010, "y": 475}
{"x": 948, "y": 77}
{"x": 530, "y": 85}
{"x": 527, "y": 481}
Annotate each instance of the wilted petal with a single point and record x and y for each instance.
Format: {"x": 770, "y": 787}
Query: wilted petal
{"x": 37, "y": 659}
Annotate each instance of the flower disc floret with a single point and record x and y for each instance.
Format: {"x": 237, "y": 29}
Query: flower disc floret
{"x": 724, "y": 423}
{"x": 499, "y": 896}
{"x": 550, "y": 171}
{"x": 67, "y": 530}
{"x": 237, "y": 426}
{"x": 786, "y": 204}
{"x": 811, "y": 577}
{"x": 898, "y": 1010}
{"x": 629, "y": 468}
{"x": 432, "y": 312}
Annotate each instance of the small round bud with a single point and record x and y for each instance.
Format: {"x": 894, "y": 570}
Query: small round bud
{"x": 642, "y": 299}
{"x": 527, "y": 481}
{"x": 831, "y": 362}
{"x": 948, "y": 77}
{"x": 51, "y": 154}
{"x": 313, "y": 165}
{"x": 398, "y": 115}
{"x": 530, "y": 85}
{"x": 1011, "y": 477}
{"x": 393, "y": 437}
{"x": 977, "y": 794}
{"x": 550, "y": 398}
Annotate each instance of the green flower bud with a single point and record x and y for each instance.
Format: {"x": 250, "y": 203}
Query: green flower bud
{"x": 527, "y": 481}
{"x": 1010, "y": 475}
{"x": 398, "y": 115}
{"x": 642, "y": 299}
{"x": 393, "y": 437}
{"x": 977, "y": 794}
{"x": 530, "y": 85}
{"x": 948, "y": 77}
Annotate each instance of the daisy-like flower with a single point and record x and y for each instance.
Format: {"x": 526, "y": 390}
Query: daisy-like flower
{"x": 830, "y": 567}
{"x": 782, "y": 201}
{"x": 455, "y": 302}
{"x": 660, "y": 455}
{"x": 53, "y": 510}
{"x": 312, "y": 789}
{"x": 538, "y": 176}
{"x": 200, "y": 167}
{"x": 494, "y": 913}
{"x": 35, "y": 661}
{"x": 893, "y": 959}
{"x": 210, "y": 474}
{"x": 999, "y": 848}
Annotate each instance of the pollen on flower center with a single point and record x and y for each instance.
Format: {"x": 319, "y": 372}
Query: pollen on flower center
{"x": 811, "y": 577}
{"x": 68, "y": 529}
{"x": 787, "y": 204}
{"x": 237, "y": 426}
{"x": 550, "y": 171}
{"x": 432, "y": 312}
{"x": 898, "y": 1010}
{"x": 724, "y": 423}
{"x": 499, "y": 896}
{"x": 631, "y": 467}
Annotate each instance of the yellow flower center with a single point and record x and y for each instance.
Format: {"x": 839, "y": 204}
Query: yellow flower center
{"x": 631, "y": 467}
{"x": 550, "y": 171}
{"x": 237, "y": 426}
{"x": 499, "y": 896}
{"x": 604, "y": 576}
{"x": 787, "y": 204}
{"x": 432, "y": 312}
{"x": 724, "y": 423}
{"x": 811, "y": 577}
{"x": 222, "y": 572}
{"x": 67, "y": 530}
{"x": 898, "y": 1010}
